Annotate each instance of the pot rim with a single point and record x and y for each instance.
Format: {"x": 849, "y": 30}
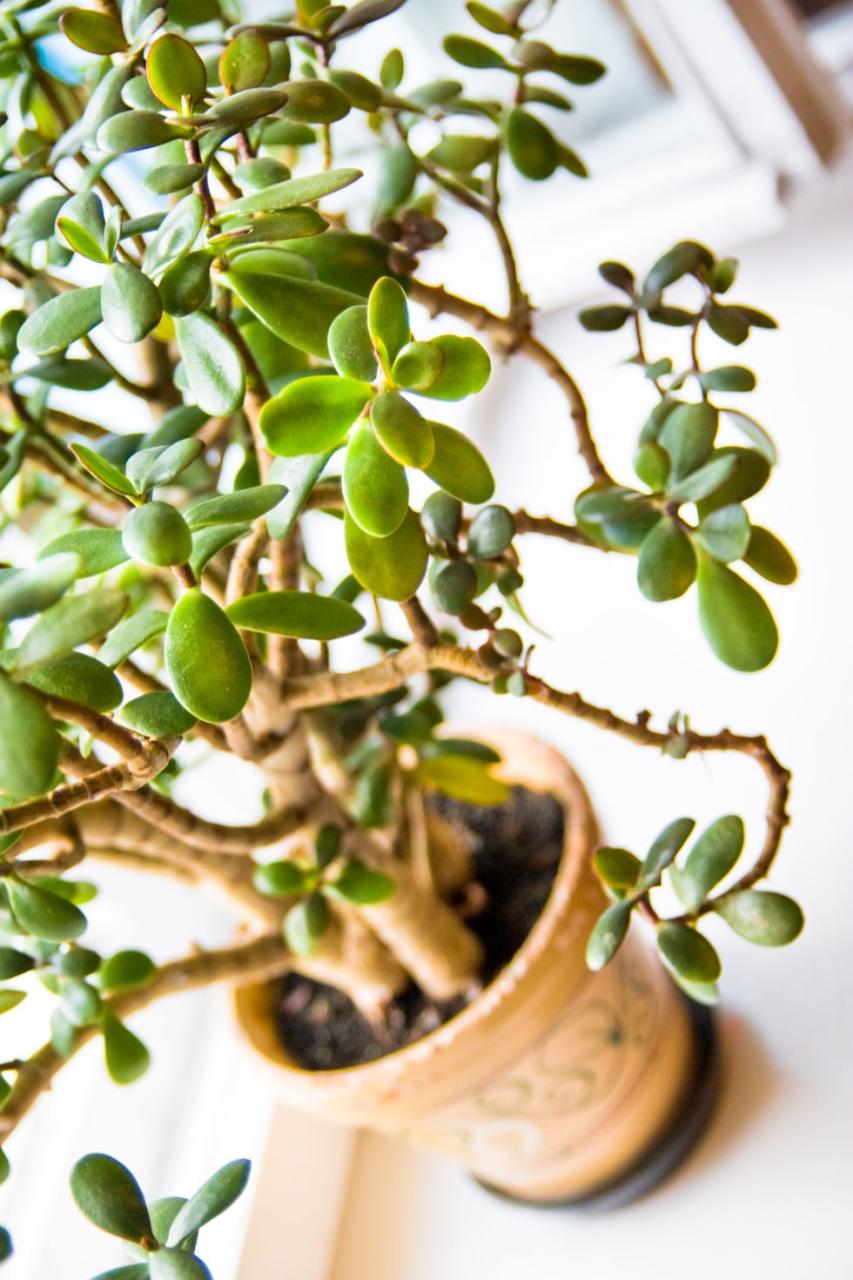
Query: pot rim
{"x": 526, "y": 760}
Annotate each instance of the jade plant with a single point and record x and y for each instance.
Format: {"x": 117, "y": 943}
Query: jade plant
{"x": 182, "y": 248}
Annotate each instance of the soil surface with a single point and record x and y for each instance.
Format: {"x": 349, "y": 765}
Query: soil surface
{"x": 516, "y": 850}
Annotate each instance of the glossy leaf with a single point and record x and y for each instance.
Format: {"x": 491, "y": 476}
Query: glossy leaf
{"x": 618, "y": 868}
{"x": 403, "y": 433}
{"x": 81, "y": 225}
{"x": 735, "y": 619}
{"x": 216, "y": 1195}
{"x": 137, "y": 131}
{"x": 94, "y": 31}
{"x": 532, "y": 146}
{"x": 298, "y": 476}
{"x": 361, "y": 885}
{"x": 126, "y": 1056}
{"x": 126, "y": 970}
{"x": 176, "y": 234}
{"x": 305, "y": 923}
{"x": 157, "y": 715}
{"x": 770, "y": 557}
{"x": 280, "y": 879}
{"x": 465, "y": 369}
{"x": 130, "y": 303}
{"x": 302, "y": 614}
{"x": 207, "y": 663}
{"x": 312, "y": 415}
{"x": 185, "y": 285}
{"x": 761, "y": 916}
{"x": 44, "y": 914}
{"x": 157, "y": 534}
{"x": 711, "y": 859}
{"x": 376, "y": 491}
{"x": 244, "y": 62}
{"x": 291, "y": 192}
{"x": 390, "y": 567}
{"x": 33, "y": 590}
{"x": 667, "y": 563}
{"x": 664, "y": 849}
{"x": 79, "y": 678}
{"x": 607, "y": 935}
{"x": 29, "y": 743}
{"x": 213, "y": 365}
{"x": 725, "y": 534}
{"x": 688, "y": 435}
{"x": 297, "y": 311}
{"x": 61, "y": 321}
{"x": 72, "y": 621}
{"x": 167, "y": 178}
{"x": 176, "y": 1264}
{"x": 350, "y": 347}
{"x": 458, "y": 466}
{"x": 109, "y": 1196}
{"x": 131, "y": 634}
{"x": 491, "y": 532}
{"x": 388, "y": 320}
{"x": 175, "y": 71}
{"x": 102, "y": 469}
{"x": 240, "y": 507}
{"x": 688, "y": 952}
{"x": 704, "y": 481}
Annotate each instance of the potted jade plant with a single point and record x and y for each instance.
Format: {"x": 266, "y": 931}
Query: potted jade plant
{"x": 424, "y": 918}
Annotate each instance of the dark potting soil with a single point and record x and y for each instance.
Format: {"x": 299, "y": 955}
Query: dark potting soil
{"x": 516, "y": 850}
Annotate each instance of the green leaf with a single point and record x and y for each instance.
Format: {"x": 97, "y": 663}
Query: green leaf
{"x": 663, "y": 849}
{"x": 532, "y": 146}
{"x": 667, "y": 563}
{"x": 607, "y": 935}
{"x": 361, "y": 885}
{"x": 96, "y": 32}
{"x": 163, "y": 1213}
{"x": 79, "y": 678}
{"x": 242, "y": 109}
{"x": 29, "y": 591}
{"x": 769, "y": 919}
{"x": 12, "y": 964}
{"x": 688, "y": 952}
{"x": 95, "y": 550}
{"x": 298, "y": 476}
{"x": 175, "y": 71}
{"x": 688, "y": 435}
{"x": 454, "y": 586}
{"x": 474, "y": 53}
{"x": 244, "y": 62}
{"x": 161, "y": 464}
{"x": 80, "y": 223}
{"x": 61, "y": 321}
{"x": 137, "y": 131}
{"x": 280, "y": 879}
{"x": 29, "y": 743}
{"x": 604, "y": 319}
{"x": 463, "y": 778}
{"x": 737, "y": 623}
{"x": 750, "y": 474}
{"x": 73, "y": 621}
{"x": 442, "y": 516}
{"x": 9, "y": 1000}
{"x": 130, "y": 303}
{"x": 6, "y": 1249}
{"x": 462, "y": 153}
{"x": 241, "y": 507}
{"x": 185, "y": 285}
{"x": 297, "y": 311}
{"x": 305, "y": 923}
{"x": 125, "y": 970}
{"x": 397, "y": 176}
{"x": 176, "y": 1264}
{"x": 728, "y": 323}
{"x": 728, "y": 377}
{"x": 375, "y": 488}
{"x": 390, "y": 567}
{"x": 388, "y": 320}
{"x": 403, "y": 433}
{"x": 157, "y": 715}
{"x": 350, "y": 347}
{"x": 618, "y": 868}
{"x": 465, "y": 369}
{"x": 176, "y": 235}
{"x": 392, "y": 69}
{"x": 216, "y": 1195}
{"x": 770, "y": 557}
{"x": 362, "y": 13}
{"x": 44, "y": 914}
{"x": 296, "y": 613}
{"x": 725, "y": 534}
{"x": 312, "y": 415}
{"x": 754, "y": 432}
{"x": 712, "y": 857}
{"x": 102, "y": 469}
{"x": 292, "y": 192}
{"x": 126, "y": 1056}
{"x": 679, "y": 261}
{"x": 651, "y": 463}
{"x": 417, "y": 366}
{"x": 168, "y": 178}
{"x": 490, "y": 19}
{"x": 109, "y": 1196}
{"x": 157, "y": 534}
{"x": 209, "y": 669}
{"x": 458, "y": 466}
{"x": 704, "y": 481}
{"x": 81, "y": 1003}
{"x": 212, "y": 364}
{"x": 490, "y": 533}
{"x": 132, "y": 634}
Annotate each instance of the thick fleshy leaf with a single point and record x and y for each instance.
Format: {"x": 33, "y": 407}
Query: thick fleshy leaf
{"x": 770, "y": 557}
{"x": 751, "y": 473}
{"x": 462, "y": 777}
{"x": 125, "y": 970}
{"x": 389, "y": 567}
{"x": 297, "y": 311}
{"x": 244, "y": 62}
{"x": 401, "y": 430}
{"x": 305, "y": 923}
{"x": 704, "y": 481}
{"x": 607, "y": 935}
{"x": 240, "y": 507}
{"x": 213, "y": 365}
{"x": 312, "y": 415}
{"x": 176, "y": 234}
{"x": 294, "y": 191}
{"x": 167, "y": 178}
{"x": 242, "y": 109}
{"x": 44, "y": 914}
{"x": 61, "y": 321}
{"x": 126, "y": 1056}
{"x": 81, "y": 225}
{"x": 532, "y": 146}
{"x": 350, "y": 347}
{"x": 417, "y": 366}
{"x": 301, "y": 614}
{"x": 688, "y": 435}
{"x": 157, "y": 715}
{"x": 712, "y": 857}
{"x": 688, "y": 952}
{"x": 619, "y": 869}
{"x": 280, "y": 879}
{"x": 161, "y": 464}
{"x": 490, "y": 533}
{"x": 130, "y": 302}
{"x": 176, "y": 1264}
{"x": 175, "y": 71}
{"x": 137, "y": 131}
{"x": 465, "y": 369}
{"x": 361, "y": 885}
{"x": 667, "y": 564}
{"x": 132, "y": 634}
{"x": 33, "y": 590}
{"x": 102, "y": 469}
{"x": 388, "y": 320}
{"x": 72, "y": 621}
{"x": 208, "y": 542}
{"x": 663, "y": 849}
{"x": 725, "y": 534}
{"x": 376, "y": 491}
{"x": 109, "y": 1195}
{"x": 79, "y": 677}
{"x": 737, "y": 623}
{"x": 97, "y": 550}
{"x": 93, "y": 31}
{"x": 157, "y": 534}
{"x": 454, "y": 586}
{"x": 298, "y": 476}
{"x": 29, "y": 743}
{"x": 760, "y": 916}
{"x": 458, "y": 466}
{"x": 185, "y": 285}
{"x": 209, "y": 669}
{"x": 216, "y": 1195}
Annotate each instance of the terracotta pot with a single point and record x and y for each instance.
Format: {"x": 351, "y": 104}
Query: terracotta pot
{"x": 555, "y": 1084}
